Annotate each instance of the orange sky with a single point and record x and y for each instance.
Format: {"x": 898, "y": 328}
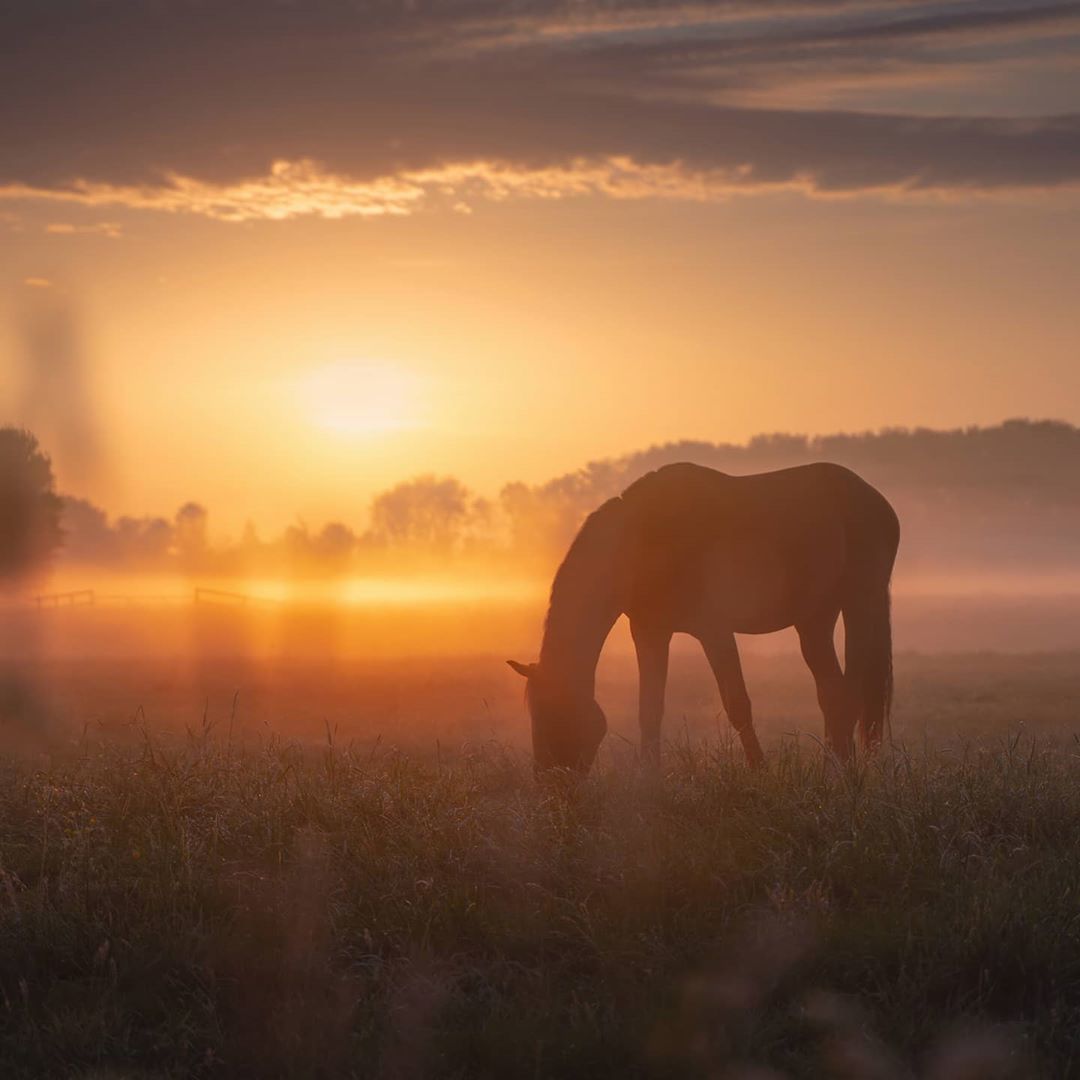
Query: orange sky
{"x": 275, "y": 340}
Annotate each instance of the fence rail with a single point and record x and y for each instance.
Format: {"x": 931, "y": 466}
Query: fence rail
{"x": 75, "y": 598}
{"x": 199, "y": 596}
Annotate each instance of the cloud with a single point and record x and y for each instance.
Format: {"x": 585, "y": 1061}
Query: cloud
{"x": 303, "y": 188}
{"x": 290, "y": 189}
{"x": 753, "y": 154}
{"x": 244, "y": 113}
{"x": 37, "y": 283}
{"x": 109, "y": 229}
{"x": 741, "y": 37}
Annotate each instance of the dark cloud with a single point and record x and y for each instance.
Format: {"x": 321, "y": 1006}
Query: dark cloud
{"x": 114, "y": 93}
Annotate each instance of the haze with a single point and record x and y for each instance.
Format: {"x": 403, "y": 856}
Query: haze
{"x": 330, "y": 330}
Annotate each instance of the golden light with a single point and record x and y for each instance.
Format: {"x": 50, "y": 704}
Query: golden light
{"x": 362, "y": 398}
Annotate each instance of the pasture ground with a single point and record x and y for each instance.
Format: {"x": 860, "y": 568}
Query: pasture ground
{"x": 352, "y": 872}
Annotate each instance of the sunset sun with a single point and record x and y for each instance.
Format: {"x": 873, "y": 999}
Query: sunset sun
{"x": 360, "y": 398}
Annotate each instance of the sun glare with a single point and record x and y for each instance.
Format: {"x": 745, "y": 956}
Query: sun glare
{"x": 362, "y": 398}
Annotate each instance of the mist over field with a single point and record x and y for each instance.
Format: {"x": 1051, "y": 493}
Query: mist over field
{"x": 396, "y": 627}
{"x": 343, "y": 732}
{"x": 989, "y": 557}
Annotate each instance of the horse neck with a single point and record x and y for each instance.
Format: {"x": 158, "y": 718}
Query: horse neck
{"x": 585, "y": 603}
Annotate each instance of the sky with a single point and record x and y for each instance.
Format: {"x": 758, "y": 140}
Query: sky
{"x": 275, "y": 257}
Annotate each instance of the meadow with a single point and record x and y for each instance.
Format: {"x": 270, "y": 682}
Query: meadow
{"x": 201, "y": 882}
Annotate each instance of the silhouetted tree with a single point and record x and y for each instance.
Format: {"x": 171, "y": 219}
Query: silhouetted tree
{"x": 426, "y": 512}
{"x": 333, "y": 547}
{"x": 88, "y": 536}
{"x": 190, "y": 534}
{"x": 326, "y": 553}
{"x": 29, "y": 507}
{"x": 144, "y": 542}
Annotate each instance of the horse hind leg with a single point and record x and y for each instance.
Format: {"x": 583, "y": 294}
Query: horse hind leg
{"x": 723, "y": 656}
{"x": 839, "y": 705}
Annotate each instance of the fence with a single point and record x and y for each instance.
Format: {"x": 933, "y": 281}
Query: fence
{"x": 199, "y": 596}
{"x": 76, "y": 598}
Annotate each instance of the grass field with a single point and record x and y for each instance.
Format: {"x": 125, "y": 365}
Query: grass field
{"x": 231, "y": 902}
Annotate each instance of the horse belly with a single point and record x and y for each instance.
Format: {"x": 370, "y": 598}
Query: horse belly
{"x": 762, "y": 589}
{"x": 748, "y": 596}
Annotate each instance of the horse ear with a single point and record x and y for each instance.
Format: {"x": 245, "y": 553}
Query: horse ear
{"x": 524, "y": 670}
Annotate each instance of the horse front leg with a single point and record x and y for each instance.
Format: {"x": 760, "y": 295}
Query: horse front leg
{"x": 723, "y": 656}
{"x": 652, "y": 646}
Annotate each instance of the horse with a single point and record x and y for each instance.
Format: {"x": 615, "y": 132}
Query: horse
{"x": 693, "y": 550}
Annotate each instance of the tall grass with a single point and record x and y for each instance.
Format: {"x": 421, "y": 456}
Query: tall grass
{"x": 200, "y": 909}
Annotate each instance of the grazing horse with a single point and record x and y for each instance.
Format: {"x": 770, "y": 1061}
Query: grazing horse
{"x": 692, "y": 550}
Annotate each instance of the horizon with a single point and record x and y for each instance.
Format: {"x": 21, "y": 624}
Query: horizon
{"x": 760, "y": 441}
{"x": 988, "y": 512}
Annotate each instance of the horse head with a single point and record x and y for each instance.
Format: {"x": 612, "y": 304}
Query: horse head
{"x": 567, "y": 727}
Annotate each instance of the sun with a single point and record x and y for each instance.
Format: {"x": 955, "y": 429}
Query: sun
{"x": 363, "y": 398}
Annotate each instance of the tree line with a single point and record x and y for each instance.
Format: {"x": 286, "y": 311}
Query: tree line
{"x": 981, "y": 498}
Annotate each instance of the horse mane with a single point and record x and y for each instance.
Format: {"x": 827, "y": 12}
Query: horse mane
{"x": 587, "y": 567}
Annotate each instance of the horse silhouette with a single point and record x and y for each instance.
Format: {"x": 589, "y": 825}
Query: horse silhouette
{"x": 692, "y": 550}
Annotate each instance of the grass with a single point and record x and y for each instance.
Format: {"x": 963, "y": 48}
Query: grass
{"x": 190, "y": 908}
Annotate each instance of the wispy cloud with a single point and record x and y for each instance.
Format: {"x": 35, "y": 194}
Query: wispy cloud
{"x": 290, "y": 189}
{"x": 306, "y": 189}
{"x": 109, "y": 229}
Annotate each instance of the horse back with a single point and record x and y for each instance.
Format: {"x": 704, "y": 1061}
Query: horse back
{"x": 758, "y": 552}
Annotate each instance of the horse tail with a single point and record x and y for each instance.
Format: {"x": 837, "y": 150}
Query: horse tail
{"x": 868, "y": 664}
{"x": 868, "y": 660}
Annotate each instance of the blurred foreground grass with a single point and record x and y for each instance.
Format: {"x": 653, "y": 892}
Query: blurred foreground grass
{"x": 189, "y": 908}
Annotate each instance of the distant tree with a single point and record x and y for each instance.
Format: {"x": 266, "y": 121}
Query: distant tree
{"x": 1003, "y": 496}
{"x": 327, "y": 553}
{"x": 484, "y": 524}
{"x": 88, "y": 536}
{"x": 30, "y": 531}
{"x": 333, "y": 547}
{"x": 541, "y": 519}
{"x": 427, "y": 512}
{"x": 1000, "y": 497}
{"x": 144, "y": 542}
{"x": 190, "y": 535}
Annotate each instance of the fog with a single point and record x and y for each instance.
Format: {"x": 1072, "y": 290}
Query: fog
{"x": 989, "y": 555}
{"x": 397, "y": 626}
{"x": 431, "y": 678}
